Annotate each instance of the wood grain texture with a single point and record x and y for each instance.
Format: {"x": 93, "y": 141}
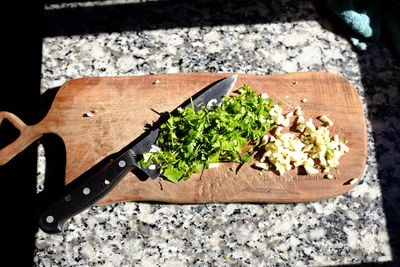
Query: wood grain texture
{"x": 126, "y": 104}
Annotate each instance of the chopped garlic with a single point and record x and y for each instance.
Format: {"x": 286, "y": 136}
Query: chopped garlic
{"x": 154, "y": 148}
{"x": 276, "y": 114}
{"x": 298, "y": 111}
{"x": 353, "y": 181}
{"x": 310, "y": 127}
{"x": 301, "y": 127}
{"x": 265, "y": 140}
{"x": 325, "y": 119}
{"x": 213, "y": 165}
{"x": 262, "y": 165}
{"x": 310, "y": 169}
{"x": 315, "y": 145}
{"x": 343, "y": 147}
{"x": 152, "y": 167}
{"x": 278, "y": 130}
{"x": 289, "y": 115}
{"x": 300, "y": 120}
{"x": 212, "y": 102}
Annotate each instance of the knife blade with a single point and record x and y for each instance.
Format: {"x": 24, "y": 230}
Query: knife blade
{"x": 94, "y": 187}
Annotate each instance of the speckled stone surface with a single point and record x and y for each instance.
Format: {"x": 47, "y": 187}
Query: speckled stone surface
{"x": 358, "y": 227}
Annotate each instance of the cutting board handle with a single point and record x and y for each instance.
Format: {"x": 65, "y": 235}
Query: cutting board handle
{"x": 27, "y": 135}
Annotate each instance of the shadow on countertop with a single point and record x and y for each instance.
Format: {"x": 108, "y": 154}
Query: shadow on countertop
{"x": 376, "y": 65}
{"x": 381, "y": 82}
{"x": 380, "y": 78}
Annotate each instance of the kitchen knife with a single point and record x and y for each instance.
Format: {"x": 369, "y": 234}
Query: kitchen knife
{"x": 93, "y": 188}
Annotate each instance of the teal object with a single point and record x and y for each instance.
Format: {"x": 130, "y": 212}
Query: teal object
{"x": 368, "y": 20}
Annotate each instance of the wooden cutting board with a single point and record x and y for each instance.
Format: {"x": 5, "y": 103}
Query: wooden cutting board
{"x": 125, "y": 105}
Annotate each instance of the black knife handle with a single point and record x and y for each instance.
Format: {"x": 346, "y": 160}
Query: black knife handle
{"x": 86, "y": 194}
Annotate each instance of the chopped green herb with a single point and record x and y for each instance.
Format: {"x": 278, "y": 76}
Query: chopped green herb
{"x": 192, "y": 140}
{"x": 345, "y": 141}
{"x": 329, "y": 153}
{"x": 246, "y": 158}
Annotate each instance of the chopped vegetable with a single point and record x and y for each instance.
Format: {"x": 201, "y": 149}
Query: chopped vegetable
{"x": 329, "y": 176}
{"x": 262, "y": 165}
{"x": 325, "y": 119}
{"x": 213, "y": 165}
{"x": 298, "y": 111}
{"x": 314, "y": 148}
{"x": 193, "y": 140}
{"x": 353, "y": 181}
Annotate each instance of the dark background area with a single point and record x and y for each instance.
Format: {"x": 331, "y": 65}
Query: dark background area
{"x": 25, "y": 26}
{"x": 20, "y": 94}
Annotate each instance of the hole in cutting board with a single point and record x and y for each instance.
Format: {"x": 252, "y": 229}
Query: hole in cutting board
{"x": 8, "y": 133}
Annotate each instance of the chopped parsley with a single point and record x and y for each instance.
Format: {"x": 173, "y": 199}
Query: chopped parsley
{"x": 192, "y": 139}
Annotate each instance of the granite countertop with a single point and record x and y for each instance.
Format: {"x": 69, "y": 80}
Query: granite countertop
{"x": 357, "y": 227}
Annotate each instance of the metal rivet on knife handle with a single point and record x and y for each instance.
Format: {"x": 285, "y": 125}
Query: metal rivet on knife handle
{"x": 49, "y": 219}
{"x": 67, "y": 198}
{"x": 86, "y": 191}
{"x": 122, "y": 163}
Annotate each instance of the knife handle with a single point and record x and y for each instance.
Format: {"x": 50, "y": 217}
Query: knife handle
{"x": 86, "y": 194}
